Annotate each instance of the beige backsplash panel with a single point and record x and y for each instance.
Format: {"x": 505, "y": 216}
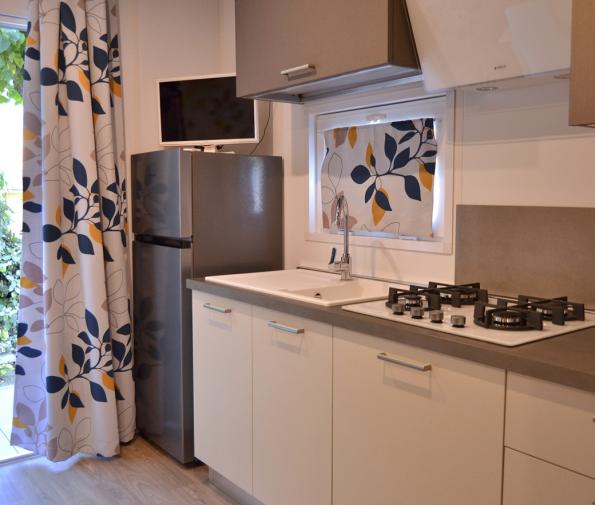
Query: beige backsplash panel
{"x": 539, "y": 251}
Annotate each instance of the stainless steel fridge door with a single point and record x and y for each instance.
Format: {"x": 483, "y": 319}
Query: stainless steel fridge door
{"x": 237, "y": 213}
{"x": 163, "y": 347}
{"x": 162, "y": 193}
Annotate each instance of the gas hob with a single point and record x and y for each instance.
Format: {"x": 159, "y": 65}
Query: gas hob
{"x": 469, "y": 311}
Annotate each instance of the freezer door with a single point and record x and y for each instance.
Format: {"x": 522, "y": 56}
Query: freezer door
{"x": 237, "y": 214}
{"x": 163, "y": 347}
{"x": 162, "y": 193}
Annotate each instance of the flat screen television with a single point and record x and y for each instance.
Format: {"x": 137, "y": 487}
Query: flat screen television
{"x": 203, "y": 111}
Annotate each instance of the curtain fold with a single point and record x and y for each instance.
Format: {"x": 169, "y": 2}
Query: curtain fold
{"x": 74, "y": 390}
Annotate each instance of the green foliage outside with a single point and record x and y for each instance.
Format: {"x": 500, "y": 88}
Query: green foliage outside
{"x": 10, "y": 252}
{"x": 12, "y": 51}
{"x": 12, "y": 54}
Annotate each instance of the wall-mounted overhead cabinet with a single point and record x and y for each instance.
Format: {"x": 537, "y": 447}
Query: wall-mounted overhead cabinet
{"x": 582, "y": 70}
{"x": 290, "y": 51}
{"x": 472, "y": 42}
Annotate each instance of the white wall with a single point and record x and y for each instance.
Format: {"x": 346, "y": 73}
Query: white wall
{"x": 176, "y": 38}
{"x": 513, "y": 148}
{"x": 16, "y": 8}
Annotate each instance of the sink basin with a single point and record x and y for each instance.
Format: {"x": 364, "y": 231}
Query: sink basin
{"x": 319, "y": 288}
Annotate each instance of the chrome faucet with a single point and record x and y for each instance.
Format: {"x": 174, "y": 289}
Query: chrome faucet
{"x": 344, "y": 265}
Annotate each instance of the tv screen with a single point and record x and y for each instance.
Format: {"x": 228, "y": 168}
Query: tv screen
{"x": 205, "y": 111}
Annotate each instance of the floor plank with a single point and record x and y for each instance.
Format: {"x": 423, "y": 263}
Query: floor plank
{"x": 141, "y": 475}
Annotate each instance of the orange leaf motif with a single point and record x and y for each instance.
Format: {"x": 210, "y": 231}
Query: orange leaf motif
{"x": 62, "y": 367}
{"x": 116, "y": 88}
{"x": 108, "y": 381}
{"x": 28, "y": 283}
{"x": 377, "y": 211}
{"x": 59, "y": 215}
{"x": 426, "y": 178}
{"x": 23, "y": 340}
{"x": 352, "y": 136}
{"x": 84, "y": 81}
{"x": 17, "y": 423}
{"x": 96, "y": 234}
{"x": 369, "y": 153}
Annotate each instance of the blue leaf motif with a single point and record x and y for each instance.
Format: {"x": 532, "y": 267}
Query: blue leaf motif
{"x": 412, "y": 187}
{"x": 67, "y": 17}
{"x": 97, "y": 392}
{"x": 78, "y": 355}
{"x": 402, "y": 159}
{"x": 430, "y": 168}
{"x": 80, "y": 173}
{"x": 403, "y": 126}
{"x": 75, "y": 401}
{"x": 407, "y": 136}
{"x": 390, "y": 147}
{"x": 92, "y": 324}
{"x": 370, "y": 192}
{"x": 85, "y": 244}
{"x": 53, "y": 383}
{"x": 382, "y": 201}
{"x": 360, "y": 174}
{"x": 29, "y": 352}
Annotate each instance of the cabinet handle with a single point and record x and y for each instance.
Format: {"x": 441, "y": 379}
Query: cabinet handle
{"x": 295, "y": 71}
{"x": 285, "y": 328}
{"x": 422, "y": 367}
{"x": 216, "y": 308}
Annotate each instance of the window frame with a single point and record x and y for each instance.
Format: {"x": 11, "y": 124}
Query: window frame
{"x": 407, "y": 101}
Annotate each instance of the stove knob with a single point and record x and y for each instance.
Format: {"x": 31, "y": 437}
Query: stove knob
{"x": 398, "y": 309}
{"x": 436, "y": 316}
{"x": 458, "y": 321}
{"x": 417, "y": 312}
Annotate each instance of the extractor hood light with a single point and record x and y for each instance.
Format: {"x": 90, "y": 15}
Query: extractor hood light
{"x": 487, "y": 88}
{"x": 562, "y": 76}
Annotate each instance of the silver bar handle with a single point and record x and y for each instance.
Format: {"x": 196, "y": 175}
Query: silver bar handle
{"x": 285, "y": 328}
{"x": 216, "y": 308}
{"x": 302, "y": 69}
{"x": 416, "y": 365}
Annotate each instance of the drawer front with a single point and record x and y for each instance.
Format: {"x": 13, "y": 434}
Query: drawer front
{"x": 530, "y": 481}
{"x": 292, "y": 409}
{"x": 412, "y": 426}
{"x": 552, "y": 422}
{"x": 222, "y": 359}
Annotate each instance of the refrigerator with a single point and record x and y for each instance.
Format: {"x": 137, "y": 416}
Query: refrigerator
{"x": 193, "y": 214}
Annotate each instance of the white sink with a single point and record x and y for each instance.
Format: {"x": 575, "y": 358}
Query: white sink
{"x": 319, "y": 288}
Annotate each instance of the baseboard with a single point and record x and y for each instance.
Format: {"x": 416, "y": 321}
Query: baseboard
{"x": 231, "y": 490}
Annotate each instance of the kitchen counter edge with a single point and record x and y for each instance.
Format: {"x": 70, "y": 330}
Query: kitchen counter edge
{"x": 567, "y": 359}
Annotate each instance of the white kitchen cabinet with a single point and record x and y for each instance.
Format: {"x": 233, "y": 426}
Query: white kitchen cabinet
{"x": 462, "y": 42}
{"x": 222, "y": 359}
{"x": 292, "y": 409}
{"x": 403, "y": 435}
{"x": 552, "y": 422}
{"x": 530, "y": 481}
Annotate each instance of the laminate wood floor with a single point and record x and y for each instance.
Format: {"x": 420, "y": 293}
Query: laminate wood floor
{"x": 141, "y": 475}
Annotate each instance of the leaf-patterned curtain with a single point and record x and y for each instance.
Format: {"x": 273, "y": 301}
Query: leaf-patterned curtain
{"x": 74, "y": 390}
{"x": 386, "y": 173}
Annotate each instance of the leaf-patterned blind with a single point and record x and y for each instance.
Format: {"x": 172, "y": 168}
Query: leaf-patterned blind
{"x": 386, "y": 172}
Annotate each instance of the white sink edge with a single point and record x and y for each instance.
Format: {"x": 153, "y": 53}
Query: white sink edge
{"x": 281, "y": 293}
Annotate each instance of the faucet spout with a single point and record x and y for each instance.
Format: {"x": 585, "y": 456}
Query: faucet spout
{"x": 342, "y": 215}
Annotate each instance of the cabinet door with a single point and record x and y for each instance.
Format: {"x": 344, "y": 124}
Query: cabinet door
{"x": 334, "y": 36}
{"x": 530, "y": 481}
{"x": 222, "y": 352}
{"x": 405, "y": 435}
{"x": 552, "y": 422}
{"x": 292, "y": 409}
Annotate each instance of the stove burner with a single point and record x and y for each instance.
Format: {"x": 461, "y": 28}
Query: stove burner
{"x": 412, "y": 301}
{"x": 556, "y": 310}
{"x": 458, "y": 295}
{"x": 507, "y": 317}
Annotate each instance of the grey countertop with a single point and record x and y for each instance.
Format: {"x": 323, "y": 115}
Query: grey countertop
{"x": 568, "y": 359}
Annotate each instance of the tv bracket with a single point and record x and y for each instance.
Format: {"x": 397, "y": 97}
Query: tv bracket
{"x": 206, "y": 149}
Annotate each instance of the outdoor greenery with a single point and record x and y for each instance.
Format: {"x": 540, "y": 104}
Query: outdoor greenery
{"x": 12, "y": 54}
{"x": 10, "y": 252}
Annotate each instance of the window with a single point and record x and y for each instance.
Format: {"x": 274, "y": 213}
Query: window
{"x": 349, "y": 136}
